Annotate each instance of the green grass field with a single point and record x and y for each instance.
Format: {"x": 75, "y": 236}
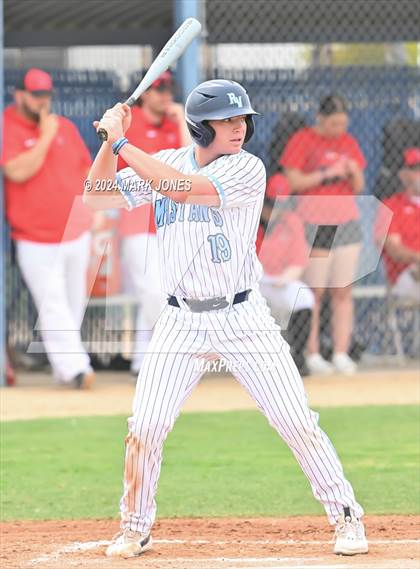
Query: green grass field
{"x": 215, "y": 464}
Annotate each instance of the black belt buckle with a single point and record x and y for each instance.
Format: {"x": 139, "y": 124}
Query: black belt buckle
{"x": 217, "y": 303}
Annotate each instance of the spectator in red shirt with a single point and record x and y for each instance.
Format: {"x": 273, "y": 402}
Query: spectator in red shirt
{"x": 157, "y": 124}
{"x": 402, "y": 241}
{"x": 45, "y": 163}
{"x": 324, "y": 165}
{"x": 283, "y": 253}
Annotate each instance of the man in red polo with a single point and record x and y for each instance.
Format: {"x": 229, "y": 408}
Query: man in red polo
{"x": 157, "y": 124}
{"x": 402, "y": 244}
{"x": 45, "y": 162}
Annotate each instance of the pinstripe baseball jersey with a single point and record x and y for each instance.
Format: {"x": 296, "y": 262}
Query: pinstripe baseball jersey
{"x": 205, "y": 251}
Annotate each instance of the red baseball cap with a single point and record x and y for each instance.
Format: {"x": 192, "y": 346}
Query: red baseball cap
{"x": 163, "y": 82}
{"x": 37, "y": 82}
{"x": 412, "y": 157}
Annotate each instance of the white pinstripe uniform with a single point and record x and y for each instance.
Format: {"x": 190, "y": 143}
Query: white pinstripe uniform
{"x": 208, "y": 252}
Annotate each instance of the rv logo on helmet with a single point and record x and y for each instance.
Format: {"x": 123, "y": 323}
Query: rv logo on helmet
{"x": 234, "y": 100}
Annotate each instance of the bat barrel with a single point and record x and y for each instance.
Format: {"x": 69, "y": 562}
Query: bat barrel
{"x": 172, "y": 50}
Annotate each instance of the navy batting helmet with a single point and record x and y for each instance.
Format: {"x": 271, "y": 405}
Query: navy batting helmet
{"x": 215, "y": 100}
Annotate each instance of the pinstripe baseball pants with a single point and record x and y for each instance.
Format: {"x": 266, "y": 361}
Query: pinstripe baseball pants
{"x": 246, "y": 335}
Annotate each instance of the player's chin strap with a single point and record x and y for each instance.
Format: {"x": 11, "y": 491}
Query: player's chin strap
{"x": 208, "y": 304}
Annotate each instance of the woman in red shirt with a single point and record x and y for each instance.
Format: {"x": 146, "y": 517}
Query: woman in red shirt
{"x": 324, "y": 165}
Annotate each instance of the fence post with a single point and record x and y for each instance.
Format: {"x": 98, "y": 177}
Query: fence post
{"x": 189, "y": 66}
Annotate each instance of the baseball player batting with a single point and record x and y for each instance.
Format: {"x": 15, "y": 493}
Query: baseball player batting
{"x": 207, "y": 201}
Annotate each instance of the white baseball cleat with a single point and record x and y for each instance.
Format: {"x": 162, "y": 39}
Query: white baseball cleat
{"x": 350, "y": 537}
{"x": 128, "y": 543}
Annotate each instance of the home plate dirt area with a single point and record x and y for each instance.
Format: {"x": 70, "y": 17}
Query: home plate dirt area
{"x": 218, "y": 543}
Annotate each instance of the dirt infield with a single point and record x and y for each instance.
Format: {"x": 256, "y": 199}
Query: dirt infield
{"x": 220, "y": 543}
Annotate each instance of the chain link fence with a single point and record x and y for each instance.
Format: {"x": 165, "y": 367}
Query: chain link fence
{"x": 371, "y": 119}
{"x": 376, "y": 87}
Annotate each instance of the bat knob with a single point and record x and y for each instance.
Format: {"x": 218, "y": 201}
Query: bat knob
{"x": 102, "y": 134}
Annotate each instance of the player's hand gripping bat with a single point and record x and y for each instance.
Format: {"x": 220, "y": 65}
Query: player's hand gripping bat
{"x": 173, "y": 49}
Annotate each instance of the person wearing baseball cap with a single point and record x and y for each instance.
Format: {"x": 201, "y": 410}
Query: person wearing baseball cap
{"x": 401, "y": 251}
{"x": 283, "y": 253}
{"x": 45, "y": 163}
{"x": 157, "y": 124}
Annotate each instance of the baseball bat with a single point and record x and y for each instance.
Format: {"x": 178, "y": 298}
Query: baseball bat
{"x": 172, "y": 50}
